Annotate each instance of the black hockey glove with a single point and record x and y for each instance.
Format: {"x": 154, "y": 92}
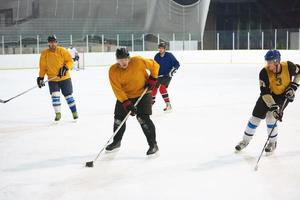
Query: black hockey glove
{"x": 275, "y": 109}
{"x": 172, "y": 72}
{"x": 76, "y": 58}
{"x": 62, "y": 71}
{"x": 290, "y": 91}
{"x": 40, "y": 82}
{"x": 129, "y": 107}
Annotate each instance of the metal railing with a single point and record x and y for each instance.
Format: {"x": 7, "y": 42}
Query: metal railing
{"x": 108, "y": 42}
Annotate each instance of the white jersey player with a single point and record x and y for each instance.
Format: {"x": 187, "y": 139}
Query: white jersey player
{"x": 74, "y": 54}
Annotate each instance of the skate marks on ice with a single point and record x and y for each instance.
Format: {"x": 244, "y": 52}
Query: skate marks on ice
{"x": 228, "y": 160}
{"x": 49, "y": 163}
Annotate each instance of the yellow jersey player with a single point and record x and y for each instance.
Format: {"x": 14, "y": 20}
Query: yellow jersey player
{"x": 276, "y": 85}
{"x": 55, "y": 62}
{"x": 128, "y": 79}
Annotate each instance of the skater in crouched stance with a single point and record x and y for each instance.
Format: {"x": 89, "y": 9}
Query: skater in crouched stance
{"x": 276, "y": 85}
{"x": 128, "y": 79}
{"x": 55, "y": 62}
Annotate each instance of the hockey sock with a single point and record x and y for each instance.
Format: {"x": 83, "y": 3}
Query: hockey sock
{"x": 154, "y": 92}
{"x": 270, "y": 121}
{"x": 164, "y": 93}
{"x": 253, "y": 123}
{"x": 55, "y": 96}
{"x": 71, "y": 102}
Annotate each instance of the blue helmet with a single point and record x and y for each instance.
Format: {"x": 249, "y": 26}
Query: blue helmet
{"x": 273, "y": 55}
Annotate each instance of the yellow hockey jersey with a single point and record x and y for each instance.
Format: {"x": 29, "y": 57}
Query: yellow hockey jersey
{"x": 52, "y": 61}
{"x": 129, "y": 83}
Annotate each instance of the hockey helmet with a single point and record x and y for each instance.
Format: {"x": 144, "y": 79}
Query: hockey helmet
{"x": 273, "y": 55}
{"x": 162, "y": 45}
{"x": 52, "y": 38}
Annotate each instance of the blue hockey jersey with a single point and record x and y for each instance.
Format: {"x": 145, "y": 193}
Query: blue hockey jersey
{"x": 167, "y": 62}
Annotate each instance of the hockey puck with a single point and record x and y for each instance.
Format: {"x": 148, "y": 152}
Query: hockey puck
{"x": 89, "y": 164}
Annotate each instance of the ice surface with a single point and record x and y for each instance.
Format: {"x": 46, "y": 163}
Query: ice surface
{"x": 40, "y": 160}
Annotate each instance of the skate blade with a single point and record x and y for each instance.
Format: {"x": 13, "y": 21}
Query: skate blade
{"x": 56, "y": 122}
{"x": 112, "y": 151}
{"x": 155, "y": 155}
{"x": 167, "y": 111}
{"x": 269, "y": 153}
{"x": 237, "y": 151}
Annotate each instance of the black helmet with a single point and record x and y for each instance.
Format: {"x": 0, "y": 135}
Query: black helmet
{"x": 52, "y": 38}
{"x": 162, "y": 45}
{"x": 122, "y": 53}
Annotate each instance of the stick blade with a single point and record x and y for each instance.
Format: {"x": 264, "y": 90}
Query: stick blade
{"x": 2, "y": 101}
{"x": 89, "y": 164}
{"x": 256, "y": 168}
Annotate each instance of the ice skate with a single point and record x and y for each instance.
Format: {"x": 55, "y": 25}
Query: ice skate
{"x": 57, "y": 116}
{"x": 241, "y": 145}
{"x": 270, "y": 148}
{"x": 168, "y": 107}
{"x": 75, "y": 115}
{"x": 113, "y": 147}
{"x": 153, "y": 151}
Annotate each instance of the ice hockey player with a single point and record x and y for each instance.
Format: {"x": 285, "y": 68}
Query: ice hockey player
{"x": 128, "y": 79}
{"x": 75, "y": 56}
{"x": 56, "y": 61}
{"x": 276, "y": 85}
{"x": 168, "y": 67}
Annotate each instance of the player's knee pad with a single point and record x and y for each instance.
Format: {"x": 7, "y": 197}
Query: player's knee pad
{"x": 270, "y": 118}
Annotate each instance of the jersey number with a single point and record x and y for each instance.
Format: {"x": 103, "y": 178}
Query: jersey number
{"x": 278, "y": 81}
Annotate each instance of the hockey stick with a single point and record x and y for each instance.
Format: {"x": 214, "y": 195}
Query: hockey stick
{"x": 284, "y": 105}
{"x": 91, "y": 163}
{"x": 5, "y": 101}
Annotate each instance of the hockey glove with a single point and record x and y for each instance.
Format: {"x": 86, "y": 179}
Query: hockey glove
{"x": 275, "y": 109}
{"x": 172, "y": 71}
{"x": 150, "y": 83}
{"x": 290, "y": 91}
{"x": 129, "y": 107}
{"x": 40, "y": 82}
{"x": 76, "y": 58}
{"x": 62, "y": 71}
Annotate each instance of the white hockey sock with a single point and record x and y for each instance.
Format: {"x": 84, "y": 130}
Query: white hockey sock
{"x": 270, "y": 121}
{"x": 253, "y": 123}
{"x": 55, "y": 96}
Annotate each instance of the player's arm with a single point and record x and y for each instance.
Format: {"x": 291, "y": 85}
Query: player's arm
{"x": 117, "y": 87}
{"x": 175, "y": 62}
{"x": 152, "y": 66}
{"x": 265, "y": 91}
{"x": 43, "y": 64}
{"x": 294, "y": 70}
{"x": 68, "y": 60}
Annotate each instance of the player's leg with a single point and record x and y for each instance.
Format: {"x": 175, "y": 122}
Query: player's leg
{"x": 144, "y": 110}
{"x": 55, "y": 96}
{"x": 154, "y": 90}
{"x": 119, "y": 115}
{"x": 164, "y": 92}
{"x": 271, "y": 123}
{"x": 259, "y": 113}
{"x": 67, "y": 90}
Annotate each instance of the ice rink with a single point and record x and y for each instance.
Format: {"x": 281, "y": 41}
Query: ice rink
{"x": 40, "y": 160}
